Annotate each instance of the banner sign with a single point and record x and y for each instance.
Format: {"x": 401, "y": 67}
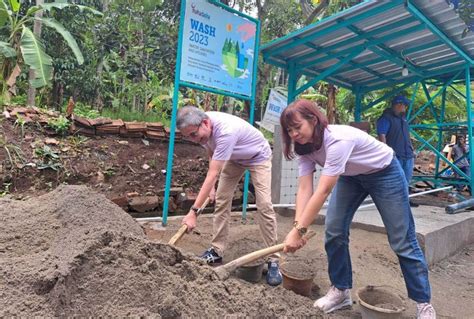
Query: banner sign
{"x": 277, "y": 102}
{"x": 218, "y": 48}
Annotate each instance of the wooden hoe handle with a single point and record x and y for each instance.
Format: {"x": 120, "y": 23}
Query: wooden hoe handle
{"x": 224, "y": 271}
{"x": 184, "y": 227}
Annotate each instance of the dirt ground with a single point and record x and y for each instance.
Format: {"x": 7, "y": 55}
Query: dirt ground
{"x": 71, "y": 252}
{"x": 373, "y": 261}
{"x": 112, "y": 165}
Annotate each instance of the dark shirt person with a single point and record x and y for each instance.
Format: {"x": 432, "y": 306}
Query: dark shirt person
{"x": 393, "y": 130}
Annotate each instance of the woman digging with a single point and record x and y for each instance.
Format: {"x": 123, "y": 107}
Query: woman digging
{"x": 354, "y": 165}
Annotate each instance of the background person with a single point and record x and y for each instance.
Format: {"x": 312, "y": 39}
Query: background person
{"x": 233, "y": 146}
{"x": 460, "y": 153}
{"x": 355, "y": 165}
{"x": 393, "y": 130}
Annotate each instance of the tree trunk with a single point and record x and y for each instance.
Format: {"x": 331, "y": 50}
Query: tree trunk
{"x": 331, "y": 106}
{"x": 57, "y": 95}
{"x": 98, "y": 100}
{"x": 31, "y": 73}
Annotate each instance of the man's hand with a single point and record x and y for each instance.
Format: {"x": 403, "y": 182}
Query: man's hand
{"x": 190, "y": 221}
{"x": 293, "y": 241}
{"x": 212, "y": 195}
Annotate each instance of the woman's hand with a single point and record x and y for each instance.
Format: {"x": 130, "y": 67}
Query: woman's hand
{"x": 293, "y": 241}
{"x": 190, "y": 220}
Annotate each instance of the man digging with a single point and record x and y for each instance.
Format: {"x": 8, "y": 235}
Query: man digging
{"x": 233, "y": 146}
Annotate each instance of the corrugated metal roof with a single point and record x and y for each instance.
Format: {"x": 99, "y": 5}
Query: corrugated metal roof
{"x": 375, "y": 40}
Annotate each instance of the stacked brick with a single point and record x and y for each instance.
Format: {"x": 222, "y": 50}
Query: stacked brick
{"x": 92, "y": 127}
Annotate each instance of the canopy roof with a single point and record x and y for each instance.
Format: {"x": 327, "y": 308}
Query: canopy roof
{"x": 367, "y": 46}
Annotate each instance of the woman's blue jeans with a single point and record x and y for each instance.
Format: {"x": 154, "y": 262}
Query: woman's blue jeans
{"x": 389, "y": 191}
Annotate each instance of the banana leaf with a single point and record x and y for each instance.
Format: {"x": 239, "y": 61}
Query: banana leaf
{"x": 66, "y": 36}
{"x": 6, "y": 50}
{"x": 4, "y": 15}
{"x": 15, "y": 4}
{"x": 36, "y": 58}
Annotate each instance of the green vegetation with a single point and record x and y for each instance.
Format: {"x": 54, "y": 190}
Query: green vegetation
{"x": 116, "y": 59}
{"x": 59, "y": 124}
{"x": 48, "y": 158}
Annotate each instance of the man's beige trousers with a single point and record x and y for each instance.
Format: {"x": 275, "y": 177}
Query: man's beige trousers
{"x": 261, "y": 178}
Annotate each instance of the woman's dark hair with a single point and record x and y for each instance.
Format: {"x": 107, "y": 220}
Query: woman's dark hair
{"x": 309, "y": 111}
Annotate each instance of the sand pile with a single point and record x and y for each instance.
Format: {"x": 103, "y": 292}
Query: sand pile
{"x": 74, "y": 253}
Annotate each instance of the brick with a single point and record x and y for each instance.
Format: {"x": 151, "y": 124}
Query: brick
{"x": 18, "y": 110}
{"x": 156, "y": 126}
{"x": 99, "y": 121}
{"x": 157, "y": 135}
{"x": 81, "y": 121}
{"x": 112, "y": 128}
{"x": 121, "y": 201}
{"x": 75, "y": 129}
{"x": 144, "y": 203}
{"x": 135, "y": 126}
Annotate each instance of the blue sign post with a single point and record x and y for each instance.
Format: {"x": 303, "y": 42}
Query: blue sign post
{"x": 218, "y": 53}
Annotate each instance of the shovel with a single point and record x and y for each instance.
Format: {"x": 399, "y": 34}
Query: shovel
{"x": 184, "y": 227}
{"x": 223, "y": 272}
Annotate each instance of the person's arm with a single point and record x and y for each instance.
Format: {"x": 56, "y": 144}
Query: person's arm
{"x": 383, "y": 126}
{"x": 293, "y": 240}
{"x": 215, "y": 167}
{"x": 212, "y": 194}
{"x": 382, "y": 138}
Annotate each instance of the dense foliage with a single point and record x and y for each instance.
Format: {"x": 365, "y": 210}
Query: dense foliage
{"x": 121, "y": 62}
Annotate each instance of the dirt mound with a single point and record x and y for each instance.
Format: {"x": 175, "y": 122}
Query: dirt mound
{"x": 71, "y": 252}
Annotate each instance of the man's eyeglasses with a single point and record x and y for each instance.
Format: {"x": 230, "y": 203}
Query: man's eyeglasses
{"x": 196, "y": 132}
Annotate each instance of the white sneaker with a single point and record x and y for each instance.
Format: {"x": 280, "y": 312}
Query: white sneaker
{"x": 334, "y": 299}
{"x": 425, "y": 311}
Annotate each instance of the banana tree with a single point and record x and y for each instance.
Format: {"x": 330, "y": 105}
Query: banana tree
{"x": 19, "y": 47}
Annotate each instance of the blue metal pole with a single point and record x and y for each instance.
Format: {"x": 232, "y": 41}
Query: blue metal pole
{"x": 469, "y": 125}
{"x": 440, "y": 136}
{"x": 428, "y": 97}
{"x": 169, "y": 165}
{"x": 251, "y": 115}
{"x": 292, "y": 79}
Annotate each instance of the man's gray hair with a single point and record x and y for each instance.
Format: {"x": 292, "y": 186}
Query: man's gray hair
{"x": 190, "y": 116}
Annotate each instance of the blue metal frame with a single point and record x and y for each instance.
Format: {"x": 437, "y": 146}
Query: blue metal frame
{"x": 330, "y": 63}
{"x": 420, "y": 16}
{"x": 364, "y": 36}
{"x": 178, "y": 83}
{"x": 469, "y": 123}
{"x": 336, "y": 26}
